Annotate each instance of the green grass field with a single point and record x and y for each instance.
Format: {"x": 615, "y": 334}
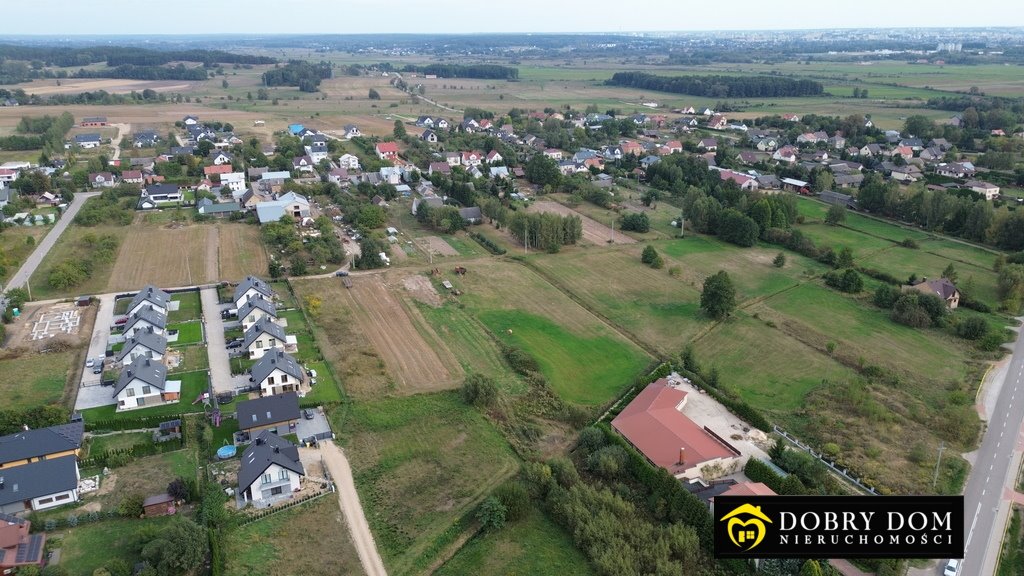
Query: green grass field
{"x": 533, "y": 545}
{"x": 420, "y": 463}
{"x": 70, "y": 247}
{"x": 35, "y": 379}
{"x": 86, "y": 547}
{"x": 309, "y": 539}
{"x": 14, "y": 247}
{"x": 100, "y": 444}
{"x": 188, "y": 333}
{"x": 192, "y": 385}
{"x": 581, "y": 370}
{"x": 190, "y": 307}
{"x": 308, "y": 350}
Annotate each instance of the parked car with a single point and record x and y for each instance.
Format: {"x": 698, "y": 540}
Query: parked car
{"x": 952, "y": 568}
{"x": 98, "y": 366}
{"x": 234, "y": 344}
{"x": 121, "y": 321}
{"x": 341, "y": 273}
{"x": 89, "y": 363}
{"x": 307, "y": 414}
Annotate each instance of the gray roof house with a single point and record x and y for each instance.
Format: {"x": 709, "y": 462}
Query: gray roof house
{"x": 144, "y": 343}
{"x": 276, "y": 412}
{"x": 145, "y": 317}
{"x": 30, "y": 445}
{"x": 144, "y": 383}
{"x": 263, "y": 336}
{"x": 254, "y": 309}
{"x": 838, "y": 199}
{"x": 40, "y": 485}
{"x": 473, "y": 215}
{"x": 249, "y": 288}
{"x": 277, "y": 372}
{"x": 270, "y": 469}
{"x": 152, "y": 296}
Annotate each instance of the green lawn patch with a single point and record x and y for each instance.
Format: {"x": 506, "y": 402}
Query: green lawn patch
{"x": 121, "y": 306}
{"x": 308, "y": 539}
{"x": 420, "y": 463}
{"x": 188, "y": 333}
{"x": 192, "y": 385}
{"x": 100, "y": 444}
{"x": 223, "y": 435}
{"x": 308, "y": 350}
{"x": 583, "y": 370}
{"x": 194, "y": 358}
{"x": 533, "y": 545}
{"x": 326, "y": 389}
{"x": 34, "y": 379}
{"x": 190, "y": 307}
{"x": 241, "y": 364}
{"x": 902, "y": 262}
{"x": 86, "y": 547}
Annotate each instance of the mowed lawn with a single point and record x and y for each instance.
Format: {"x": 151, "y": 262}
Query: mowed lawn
{"x": 35, "y": 378}
{"x": 190, "y": 307}
{"x": 309, "y": 539}
{"x": 532, "y": 545}
{"x": 770, "y": 370}
{"x": 661, "y": 310}
{"x": 902, "y": 262}
{"x": 192, "y": 385}
{"x": 188, "y": 333}
{"x": 420, "y": 463}
{"x": 86, "y": 547}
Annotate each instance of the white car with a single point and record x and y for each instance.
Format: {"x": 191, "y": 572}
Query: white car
{"x": 90, "y": 362}
{"x": 952, "y": 568}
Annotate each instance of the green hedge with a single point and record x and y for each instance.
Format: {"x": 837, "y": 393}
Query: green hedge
{"x": 123, "y": 456}
{"x": 137, "y": 423}
{"x": 487, "y": 243}
{"x": 758, "y": 471}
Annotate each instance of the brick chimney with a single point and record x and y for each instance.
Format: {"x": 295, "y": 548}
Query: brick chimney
{"x": 682, "y": 456}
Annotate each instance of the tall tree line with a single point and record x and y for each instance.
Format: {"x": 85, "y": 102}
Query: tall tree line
{"x": 720, "y": 86}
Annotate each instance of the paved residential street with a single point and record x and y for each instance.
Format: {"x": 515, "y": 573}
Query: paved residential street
{"x": 23, "y": 274}
{"x": 348, "y": 498}
{"x": 220, "y": 367}
{"x": 990, "y": 487}
{"x": 90, "y": 393}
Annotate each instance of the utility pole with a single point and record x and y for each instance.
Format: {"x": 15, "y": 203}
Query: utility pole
{"x": 682, "y": 223}
{"x": 526, "y": 236}
{"x": 935, "y": 478}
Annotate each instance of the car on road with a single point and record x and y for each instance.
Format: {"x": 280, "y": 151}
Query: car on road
{"x": 307, "y": 414}
{"x": 952, "y": 568}
{"x": 341, "y": 273}
{"x": 89, "y": 363}
{"x": 98, "y": 366}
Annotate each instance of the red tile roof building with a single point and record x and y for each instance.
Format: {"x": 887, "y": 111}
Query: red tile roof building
{"x": 656, "y": 426}
{"x": 387, "y": 150}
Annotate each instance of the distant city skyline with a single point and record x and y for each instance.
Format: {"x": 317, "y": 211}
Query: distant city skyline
{"x": 98, "y": 17}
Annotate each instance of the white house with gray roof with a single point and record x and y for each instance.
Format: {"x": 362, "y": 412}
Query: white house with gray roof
{"x": 270, "y": 469}
{"x": 143, "y": 384}
{"x": 262, "y": 337}
{"x": 145, "y": 344}
{"x": 145, "y": 317}
{"x": 278, "y": 372}
{"x": 255, "y": 309}
{"x": 150, "y": 296}
{"x": 252, "y": 287}
{"x": 40, "y": 485}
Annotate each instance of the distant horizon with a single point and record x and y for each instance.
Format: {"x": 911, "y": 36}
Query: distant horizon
{"x": 74, "y": 18}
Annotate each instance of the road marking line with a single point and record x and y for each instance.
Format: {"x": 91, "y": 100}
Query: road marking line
{"x": 983, "y": 492}
{"x": 975, "y": 521}
{"x": 990, "y": 466}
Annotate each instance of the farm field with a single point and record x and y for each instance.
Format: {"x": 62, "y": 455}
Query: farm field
{"x": 35, "y": 378}
{"x": 532, "y": 545}
{"x": 146, "y": 257}
{"x": 240, "y": 252}
{"x": 309, "y": 539}
{"x": 585, "y": 360}
{"x": 420, "y": 463}
{"x": 594, "y": 232}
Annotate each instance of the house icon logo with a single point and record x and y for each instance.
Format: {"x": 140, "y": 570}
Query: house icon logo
{"x": 746, "y": 526}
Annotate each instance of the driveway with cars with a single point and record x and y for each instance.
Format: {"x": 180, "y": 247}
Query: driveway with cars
{"x": 90, "y": 393}
{"x": 216, "y": 347}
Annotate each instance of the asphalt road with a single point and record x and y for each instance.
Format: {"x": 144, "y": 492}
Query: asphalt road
{"x": 43, "y": 248}
{"x": 992, "y": 472}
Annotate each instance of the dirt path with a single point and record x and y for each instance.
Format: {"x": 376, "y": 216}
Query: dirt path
{"x": 122, "y": 129}
{"x": 213, "y": 253}
{"x": 348, "y": 498}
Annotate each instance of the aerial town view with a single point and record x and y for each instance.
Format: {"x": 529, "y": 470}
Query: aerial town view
{"x": 314, "y": 288}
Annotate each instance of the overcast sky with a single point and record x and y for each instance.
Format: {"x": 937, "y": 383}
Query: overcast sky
{"x": 66, "y": 17}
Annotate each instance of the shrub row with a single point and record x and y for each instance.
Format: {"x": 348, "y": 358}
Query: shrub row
{"x": 263, "y": 514}
{"x": 137, "y": 423}
{"x": 123, "y": 456}
{"x": 758, "y": 471}
{"x": 487, "y": 243}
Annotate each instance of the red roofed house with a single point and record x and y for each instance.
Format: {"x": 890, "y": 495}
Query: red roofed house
{"x": 656, "y": 426}
{"x": 717, "y": 122}
{"x": 17, "y": 546}
{"x": 387, "y": 150}
{"x": 744, "y": 489}
{"x": 132, "y": 177}
{"x": 494, "y": 156}
{"x": 472, "y": 158}
{"x": 742, "y": 180}
{"x": 218, "y": 169}
{"x": 631, "y": 147}
{"x": 905, "y": 151}
{"x": 791, "y": 117}
{"x": 674, "y": 146}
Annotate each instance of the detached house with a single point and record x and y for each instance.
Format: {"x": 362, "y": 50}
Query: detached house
{"x": 145, "y": 139}
{"x": 102, "y": 180}
{"x": 303, "y": 164}
{"x": 277, "y": 372}
{"x": 317, "y": 151}
{"x": 144, "y": 384}
{"x": 18, "y": 546}
{"x": 785, "y": 154}
{"x": 251, "y": 287}
{"x": 709, "y": 144}
{"x": 39, "y": 469}
{"x": 429, "y": 136}
{"x": 387, "y": 150}
{"x": 219, "y": 157}
{"x": 351, "y": 131}
{"x": 255, "y": 309}
{"x": 989, "y": 191}
{"x": 150, "y": 297}
{"x": 717, "y": 122}
{"x": 493, "y": 156}
{"x": 270, "y": 470}
{"x": 276, "y": 414}
{"x": 145, "y": 318}
{"x": 144, "y": 344}
{"x": 154, "y": 194}
{"x": 943, "y": 288}
{"x": 262, "y": 337}
{"x": 349, "y": 162}
{"x": 132, "y": 177}
{"x": 87, "y": 141}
